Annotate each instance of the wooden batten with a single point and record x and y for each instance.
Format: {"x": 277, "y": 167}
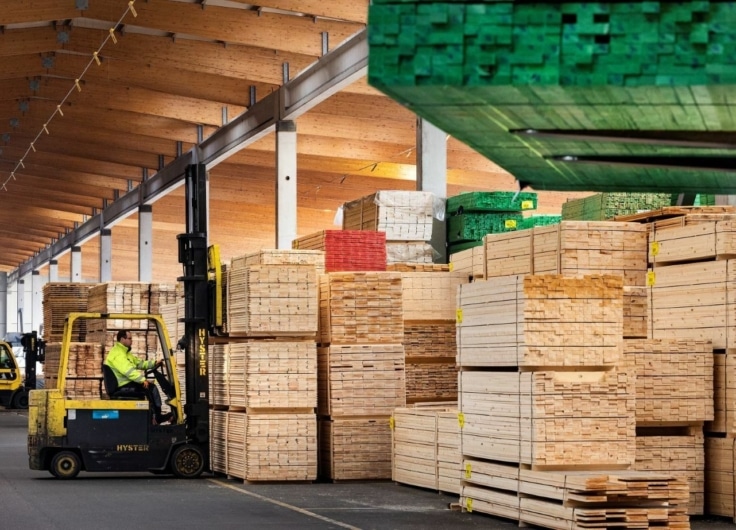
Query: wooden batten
{"x": 694, "y": 241}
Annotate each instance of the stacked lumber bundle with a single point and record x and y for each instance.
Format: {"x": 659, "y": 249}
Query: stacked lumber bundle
{"x": 674, "y": 380}
{"x": 347, "y": 250}
{"x": 470, "y": 261}
{"x": 576, "y": 499}
{"x": 265, "y": 374}
{"x": 355, "y": 448}
{"x": 681, "y": 455}
{"x": 361, "y": 379}
{"x": 273, "y": 300}
{"x": 693, "y": 241}
{"x": 572, "y": 248}
{"x": 724, "y": 392}
{"x": 83, "y": 371}
{"x": 60, "y": 299}
{"x": 127, "y": 297}
{"x": 539, "y": 220}
{"x": 418, "y": 267}
{"x": 360, "y": 307}
{"x": 360, "y": 372}
{"x": 426, "y": 448}
{"x": 538, "y": 321}
{"x": 218, "y": 440}
{"x": 219, "y": 379}
{"x": 402, "y": 215}
{"x": 720, "y": 488}
{"x": 429, "y": 300}
{"x": 145, "y": 342}
{"x": 409, "y": 253}
{"x": 694, "y": 300}
{"x": 636, "y": 311}
{"x": 270, "y": 447}
{"x": 604, "y": 206}
{"x": 549, "y": 418}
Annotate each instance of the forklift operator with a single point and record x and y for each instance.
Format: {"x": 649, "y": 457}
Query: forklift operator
{"x": 130, "y": 374}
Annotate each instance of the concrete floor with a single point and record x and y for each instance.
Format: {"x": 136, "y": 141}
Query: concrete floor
{"x": 34, "y": 499}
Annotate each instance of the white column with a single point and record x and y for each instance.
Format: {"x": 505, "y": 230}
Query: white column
{"x": 3, "y": 304}
{"x": 37, "y": 283}
{"x": 53, "y": 270}
{"x": 76, "y": 265}
{"x": 145, "y": 243}
{"x": 105, "y": 255}
{"x": 432, "y": 176}
{"x": 286, "y": 229}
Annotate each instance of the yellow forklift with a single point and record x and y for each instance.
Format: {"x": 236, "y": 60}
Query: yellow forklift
{"x": 114, "y": 433}
{"x": 14, "y": 387}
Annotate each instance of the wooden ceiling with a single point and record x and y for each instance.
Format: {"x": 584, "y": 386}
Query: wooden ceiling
{"x": 172, "y": 76}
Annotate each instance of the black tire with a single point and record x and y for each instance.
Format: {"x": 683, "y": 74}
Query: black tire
{"x": 65, "y": 465}
{"x": 187, "y": 461}
{"x": 20, "y": 400}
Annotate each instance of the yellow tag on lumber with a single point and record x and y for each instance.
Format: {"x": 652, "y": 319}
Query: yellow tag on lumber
{"x": 651, "y": 277}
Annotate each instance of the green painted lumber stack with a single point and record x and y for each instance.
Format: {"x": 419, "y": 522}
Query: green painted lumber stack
{"x": 482, "y": 70}
{"x": 495, "y": 201}
{"x": 539, "y": 220}
{"x": 603, "y": 206}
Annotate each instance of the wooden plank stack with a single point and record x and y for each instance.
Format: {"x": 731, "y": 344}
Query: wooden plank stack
{"x": 60, "y": 299}
{"x": 674, "y": 397}
{"x": 429, "y": 334}
{"x": 544, "y": 397}
{"x": 576, "y": 248}
{"x": 347, "y": 250}
{"x": 84, "y": 369}
{"x": 272, "y": 300}
{"x": 471, "y": 261}
{"x": 538, "y": 321}
{"x": 361, "y": 372}
{"x": 409, "y": 252}
{"x": 720, "y": 476}
{"x": 265, "y": 372}
{"x": 426, "y": 447}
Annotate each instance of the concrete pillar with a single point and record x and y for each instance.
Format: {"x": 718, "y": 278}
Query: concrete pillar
{"x": 432, "y": 177}
{"x": 3, "y": 304}
{"x": 37, "y": 283}
{"x": 286, "y": 228}
{"x": 53, "y": 270}
{"x": 76, "y": 265}
{"x": 105, "y": 255}
{"x": 21, "y": 304}
{"x": 145, "y": 243}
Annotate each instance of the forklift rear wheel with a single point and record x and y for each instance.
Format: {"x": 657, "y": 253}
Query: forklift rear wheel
{"x": 20, "y": 400}
{"x": 187, "y": 461}
{"x": 65, "y": 465}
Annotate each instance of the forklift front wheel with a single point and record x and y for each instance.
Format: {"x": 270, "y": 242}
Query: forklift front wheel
{"x": 187, "y": 461}
{"x": 20, "y": 400}
{"x": 65, "y": 465}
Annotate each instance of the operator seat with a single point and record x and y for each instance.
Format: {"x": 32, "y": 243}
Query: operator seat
{"x": 111, "y": 387}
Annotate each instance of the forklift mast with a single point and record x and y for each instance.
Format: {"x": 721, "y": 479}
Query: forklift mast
{"x": 34, "y": 351}
{"x": 193, "y": 254}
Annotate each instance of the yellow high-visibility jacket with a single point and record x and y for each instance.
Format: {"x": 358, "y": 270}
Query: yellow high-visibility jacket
{"x": 126, "y": 366}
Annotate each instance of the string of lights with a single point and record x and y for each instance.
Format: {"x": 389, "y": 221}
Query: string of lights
{"x": 77, "y": 85}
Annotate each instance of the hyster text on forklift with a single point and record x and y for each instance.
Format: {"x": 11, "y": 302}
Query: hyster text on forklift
{"x": 113, "y": 433}
{"x": 14, "y": 386}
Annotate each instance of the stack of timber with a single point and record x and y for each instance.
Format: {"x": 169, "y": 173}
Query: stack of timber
{"x": 426, "y": 447}
{"x": 130, "y": 297}
{"x": 473, "y": 215}
{"x": 674, "y": 397}
{"x": 218, "y": 440}
{"x": 269, "y": 297}
{"x": 577, "y": 248}
{"x": 360, "y": 372}
{"x": 347, "y": 250}
{"x": 267, "y": 370}
{"x": 605, "y": 206}
{"x": 543, "y": 396}
{"x": 418, "y": 267}
{"x": 406, "y": 217}
{"x": 575, "y": 499}
{"x": 60, "y": 299}
{"x": 720, "y": 476}
{"x": 471, "y": 261}
{"x": 220, "y": 383}
{"x": 83, "y": 370}
{"x": 429, "y": 306}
